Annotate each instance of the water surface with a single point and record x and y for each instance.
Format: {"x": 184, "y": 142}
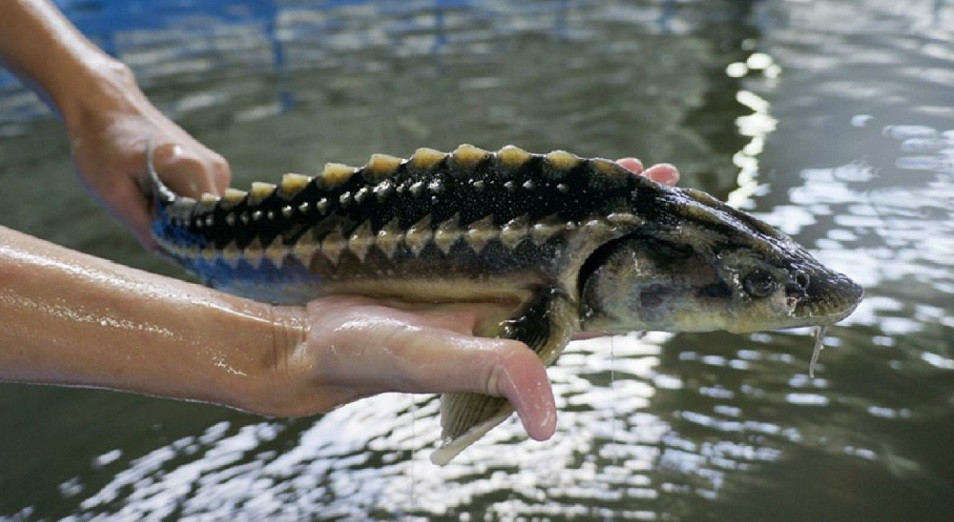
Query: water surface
{"x": 832, "y": 120}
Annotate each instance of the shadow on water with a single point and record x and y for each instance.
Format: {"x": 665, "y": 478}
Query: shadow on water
{"x": 831, "y": 122}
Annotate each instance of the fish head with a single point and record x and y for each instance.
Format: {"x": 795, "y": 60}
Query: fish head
{"x": 710, "y": 268}
{"x": 787, "y": 289}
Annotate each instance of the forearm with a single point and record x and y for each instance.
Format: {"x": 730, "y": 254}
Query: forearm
{"x": 68, "y": 318}
{"x": 72, "y": 319}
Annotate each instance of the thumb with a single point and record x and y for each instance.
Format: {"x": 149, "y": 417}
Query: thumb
{"x": 519, "y": 375}
{"x": 497, "y": 367}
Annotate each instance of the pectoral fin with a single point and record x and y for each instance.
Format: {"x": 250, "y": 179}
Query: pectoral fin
{"x": 545, "y": 324}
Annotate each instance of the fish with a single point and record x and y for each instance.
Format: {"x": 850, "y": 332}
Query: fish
{"x": 569, "y": 244}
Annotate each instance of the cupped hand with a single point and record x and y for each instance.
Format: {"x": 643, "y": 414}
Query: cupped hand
{"x": 109, "y": 134}
{"x": 356, "y": 347}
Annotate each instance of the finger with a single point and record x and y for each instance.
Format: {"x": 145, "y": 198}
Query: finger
{"x": 632, "y": 164}
{"x": 479, "y": 318}
{"x": 445, "y": 362}
{"x": 126, "y": 203}
{"x": 221, "y": 172}
{"x": 522, "y": 378}
{"x": 663, "y": 173}
{"x": 187, "y": 173}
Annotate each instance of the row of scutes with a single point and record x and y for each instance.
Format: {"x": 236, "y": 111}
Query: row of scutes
{"x": 391, "y": 237}
{"x": 381, "y": 166}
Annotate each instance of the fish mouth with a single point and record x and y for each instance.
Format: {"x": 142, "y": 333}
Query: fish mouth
{"x": 830, "y": 298}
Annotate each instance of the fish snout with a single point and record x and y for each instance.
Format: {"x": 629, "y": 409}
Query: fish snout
{"x": 831, "y": 296}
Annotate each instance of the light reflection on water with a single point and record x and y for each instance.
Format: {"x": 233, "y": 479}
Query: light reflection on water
{"x": 372, "y": 458}
{"x": 836, "y": 132}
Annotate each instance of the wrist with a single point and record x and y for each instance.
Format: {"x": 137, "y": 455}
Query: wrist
{"x": 268, "y": 378}
{"x": 99, "y": 87}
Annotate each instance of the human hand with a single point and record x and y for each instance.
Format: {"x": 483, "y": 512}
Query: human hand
{"x": 109, "y": 132}
{"x": 354, "y": 347}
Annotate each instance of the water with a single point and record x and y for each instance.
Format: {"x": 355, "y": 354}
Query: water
{"x": 832, "y": 120}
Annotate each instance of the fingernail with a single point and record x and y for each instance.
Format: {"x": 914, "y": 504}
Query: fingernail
{"x": 663, "y": 173}
{"x": 631, "y": 164}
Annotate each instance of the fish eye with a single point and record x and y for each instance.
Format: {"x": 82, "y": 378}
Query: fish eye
{"x": 759, "y": 284}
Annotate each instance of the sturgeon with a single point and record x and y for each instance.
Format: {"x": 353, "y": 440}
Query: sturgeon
{"x": 570, "y": 244}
